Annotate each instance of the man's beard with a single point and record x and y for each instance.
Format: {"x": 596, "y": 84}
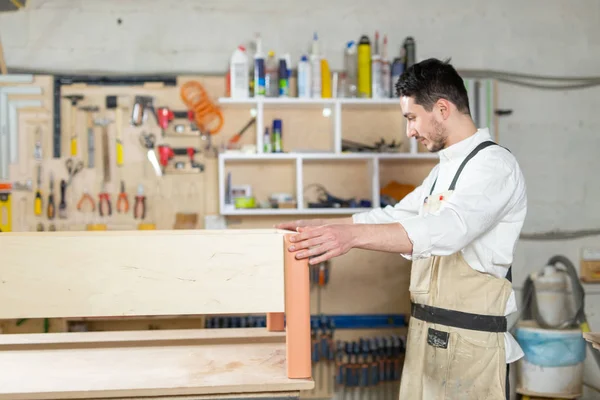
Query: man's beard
{"x": 438, "y": 136}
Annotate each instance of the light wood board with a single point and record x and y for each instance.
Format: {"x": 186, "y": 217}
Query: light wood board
{"x": 166, "y": 363}
{"x": 62, "y": 274}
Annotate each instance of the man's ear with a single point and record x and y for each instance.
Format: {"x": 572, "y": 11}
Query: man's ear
{"x": 443, "y": 108}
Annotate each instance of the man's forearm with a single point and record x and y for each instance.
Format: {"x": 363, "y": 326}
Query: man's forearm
{"x": 382, "y": 237}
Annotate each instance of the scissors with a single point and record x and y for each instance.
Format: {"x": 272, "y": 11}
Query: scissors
{"x": 73, "y": 170}
{"x": 148, "y": 140}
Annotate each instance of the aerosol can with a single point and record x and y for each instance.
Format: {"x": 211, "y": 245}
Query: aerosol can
{"x": 364, "y": 67}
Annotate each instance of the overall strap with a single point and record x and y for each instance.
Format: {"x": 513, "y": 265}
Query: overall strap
{"x": 472, "y": 154}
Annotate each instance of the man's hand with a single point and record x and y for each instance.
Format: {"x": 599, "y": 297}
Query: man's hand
{"x": 293, "y": 225}
{"x": 320, "y": 243}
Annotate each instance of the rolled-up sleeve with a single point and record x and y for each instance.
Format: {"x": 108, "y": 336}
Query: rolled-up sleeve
{"x": 483, "y": 195}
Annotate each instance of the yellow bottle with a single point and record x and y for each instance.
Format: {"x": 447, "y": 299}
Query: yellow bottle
{"x": 5, "y": 207}
{"x": 364, "y": 67}
{"x": 325, "y": 80}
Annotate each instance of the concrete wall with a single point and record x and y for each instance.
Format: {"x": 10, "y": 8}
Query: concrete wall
{"x": 555, "y": 134}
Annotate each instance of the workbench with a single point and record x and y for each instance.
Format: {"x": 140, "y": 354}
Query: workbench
{"x": 61, "y": 274}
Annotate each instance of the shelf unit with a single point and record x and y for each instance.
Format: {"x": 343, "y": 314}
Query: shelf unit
{"x": 332, "y": 107}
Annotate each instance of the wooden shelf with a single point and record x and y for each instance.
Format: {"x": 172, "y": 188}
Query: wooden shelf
{"x": 145, "y": 363}
{"x": 292, "y": 211}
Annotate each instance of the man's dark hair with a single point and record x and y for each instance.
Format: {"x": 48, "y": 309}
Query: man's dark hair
{"x": 431, "y": 80}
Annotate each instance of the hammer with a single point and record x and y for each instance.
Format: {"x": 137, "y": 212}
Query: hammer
{"x": 90, "y": 133}
{"x": 104, "y": 122}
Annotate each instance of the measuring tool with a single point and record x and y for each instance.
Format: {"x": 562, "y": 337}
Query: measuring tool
{"x": 5, "y": 207}
{"x": 74, "y": 98}
{"x": 13, "y": 124}
{"x": 90, "y": 133}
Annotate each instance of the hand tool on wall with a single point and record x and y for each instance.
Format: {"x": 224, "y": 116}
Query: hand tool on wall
{"x": 122, "y": 201}
{"x": 104, "y": 122}
{"x": 51, "y": 208}
{"x": 38, "y": 202}
{"x": 62, "y": 206}
{"x": 164, "y": 116}
{"x": 91, "y": 156}
{"x": 73, "y": 168}
{"x": 104, "y": 205}
{"x": 148, "y": 141}
{"x": 37, "y": 148}
{"x": 139, "y": 210}
{"x": 112, "y": 102}
{"x": 85, "y": 197}
{"x": 5, "y": 207}
{"x": 166, "y": 153}
{"x": 139, "y": 112}
{"x": 74, "y": 99}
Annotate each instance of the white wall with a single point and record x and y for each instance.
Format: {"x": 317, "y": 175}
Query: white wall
{"x": 555, "y": 134}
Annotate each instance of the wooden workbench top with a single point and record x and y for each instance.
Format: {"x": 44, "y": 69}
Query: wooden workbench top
{"x": 94, "y": 365}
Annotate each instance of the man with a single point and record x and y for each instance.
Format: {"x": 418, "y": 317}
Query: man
{"x": 459, "y": 228}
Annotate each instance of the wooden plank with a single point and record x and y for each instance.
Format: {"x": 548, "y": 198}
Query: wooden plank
{"x": 122, "y": 273}
{"x": 138, "y": 338}
{"x": 238, "y": 364}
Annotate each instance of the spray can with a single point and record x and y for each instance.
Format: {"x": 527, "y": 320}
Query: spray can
{"x": 276, "y": 137}
{"x": 284, "y": 88}
{"x": 364, "y": 67}
{"x": 376, "y": 87}
{"x": 397, "y": 70}
{"x": 259, "y": 69}
{"x": 386, "y": 71}
{"x": 315, "y": 68}
{"x": 267, "y": 148}
{"x": 409, "y": 48}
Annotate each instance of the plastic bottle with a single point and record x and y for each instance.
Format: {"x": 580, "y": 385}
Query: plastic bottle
{"x": 267, "y": 148}
{"x": 284, "y": 86}
{"x": 325, "y": 80}
{"x": 364, "y": 67}
{"x": 315, "y": 68}
{"x": 386, "y": 71}
{"x": 409, "y": 47}
{"x": 350, "y": 65}
{"x": 376, "y": 87}
{"x": 304, "y": 79}
{"x": 271, "y": 75}
{"x": 259, "y": 69}
{"x": 238, "y": 74}
{"x": 277, "y": 146}
{"x": 397, "y": 70}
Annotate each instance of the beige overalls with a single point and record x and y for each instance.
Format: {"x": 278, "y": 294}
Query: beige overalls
{"x": 455, "y": 344}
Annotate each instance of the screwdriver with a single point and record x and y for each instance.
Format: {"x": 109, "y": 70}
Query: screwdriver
{"x": 51, "y": 211}
{"x": 62, "y": 206}
{"x": 37, "y": 205}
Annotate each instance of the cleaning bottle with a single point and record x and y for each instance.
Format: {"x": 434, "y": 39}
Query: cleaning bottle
{"x": 397, "y": 70}
{"x": 315, "y": 68}
{"x": 259, "y": 69}
{"x": 325, "y": 80}
{"x": 238, "y": 74}
{"x": 364, "y": 67}
{"x": 284, "y": 88}
{"x": 271, "y": 75}
{"x": 386, "y": 77}
{"x": 304, "y": 79}
{"x": 350, "y": 65}
{"x": 376, "y": 88}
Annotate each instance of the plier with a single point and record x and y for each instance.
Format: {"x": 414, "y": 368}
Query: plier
{"x": 104, "y": 203}
{"x": 86, "y": 196}
{"x": 122, "y": 201}
{"x": 139, "y": 210}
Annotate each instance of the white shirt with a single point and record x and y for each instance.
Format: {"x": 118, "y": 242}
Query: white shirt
{"x": 482, "y": 218}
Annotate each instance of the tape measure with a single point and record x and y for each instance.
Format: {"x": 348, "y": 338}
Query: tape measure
{"x": 5, "y": 207}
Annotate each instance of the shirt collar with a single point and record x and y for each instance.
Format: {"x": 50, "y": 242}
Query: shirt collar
{"x": 464, "y": 147}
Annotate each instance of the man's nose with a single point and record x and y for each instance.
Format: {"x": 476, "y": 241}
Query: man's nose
{"x": 410, "y": 132}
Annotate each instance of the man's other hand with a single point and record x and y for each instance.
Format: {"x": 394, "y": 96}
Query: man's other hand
{"x": 321, "y": 243}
